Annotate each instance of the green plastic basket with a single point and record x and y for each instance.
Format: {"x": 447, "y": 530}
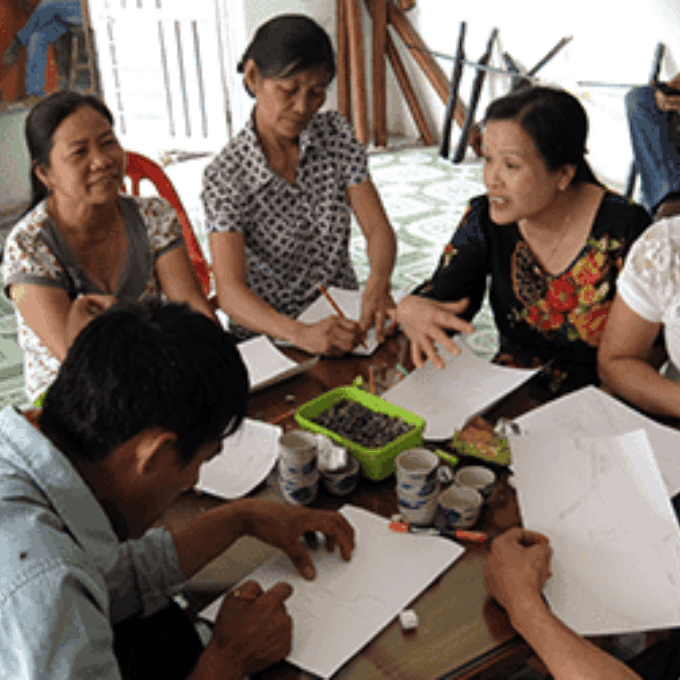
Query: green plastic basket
{"x": 376, "y": 463}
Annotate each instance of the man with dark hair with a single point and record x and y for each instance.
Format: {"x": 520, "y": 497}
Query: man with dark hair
{"x": 145, "y": 395}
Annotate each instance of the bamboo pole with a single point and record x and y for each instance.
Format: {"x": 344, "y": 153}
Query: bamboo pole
{"x": 379, "y": 84}
{"x": 420, "y": 53}
{"x": 344, "y": 102}
{"x": 357, "y": 66}
{"x": 409, "y": 94}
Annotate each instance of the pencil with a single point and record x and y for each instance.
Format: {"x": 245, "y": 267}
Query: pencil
{"x": 282, "y": 417}
{"x": 334, "y": 304}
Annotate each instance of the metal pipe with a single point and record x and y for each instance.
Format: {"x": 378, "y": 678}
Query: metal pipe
{"x": 445, "y": 147}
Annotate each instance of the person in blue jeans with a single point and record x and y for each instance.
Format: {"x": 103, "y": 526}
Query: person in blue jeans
{"x": 650, "y": 116}
{"x": 50, "y": 20}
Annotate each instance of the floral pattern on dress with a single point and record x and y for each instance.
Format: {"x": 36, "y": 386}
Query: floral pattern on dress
{"x": 575, "y": 302}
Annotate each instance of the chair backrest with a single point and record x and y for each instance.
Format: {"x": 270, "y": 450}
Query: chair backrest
{"x": 137, "y": 168}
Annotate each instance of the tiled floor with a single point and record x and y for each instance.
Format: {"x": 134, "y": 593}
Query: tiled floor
{"x": 424, "y": 196}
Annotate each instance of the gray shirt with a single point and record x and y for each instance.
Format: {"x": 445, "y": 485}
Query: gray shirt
{"x": 296, "y": 235}
{"x": 65, "y": 577}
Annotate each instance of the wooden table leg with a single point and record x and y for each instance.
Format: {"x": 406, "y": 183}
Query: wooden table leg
{"x": 344, "y": 103}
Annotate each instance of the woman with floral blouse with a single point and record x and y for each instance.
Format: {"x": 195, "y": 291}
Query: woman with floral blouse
{"x": 547, "y": 234}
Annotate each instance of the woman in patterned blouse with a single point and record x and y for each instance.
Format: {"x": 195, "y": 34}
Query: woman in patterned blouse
{"x": 278, "y": 199}
{"x": 549, "y": 236}
{"x": 81, "y": 246}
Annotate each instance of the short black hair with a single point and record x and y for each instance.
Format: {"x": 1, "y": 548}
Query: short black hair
{"x": 555, "y": 120}
{"x": 289, "y": 44}
{"x": 45, "y": 117}
{"x": 143, "y": 365}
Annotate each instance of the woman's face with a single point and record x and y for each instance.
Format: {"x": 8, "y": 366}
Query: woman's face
{"x": 518, "y": 182}
{"x": 86, "y": 160}
{"x": 285, "y": 106}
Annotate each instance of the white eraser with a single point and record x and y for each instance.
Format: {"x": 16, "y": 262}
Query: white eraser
{"x": 408, "y": 619}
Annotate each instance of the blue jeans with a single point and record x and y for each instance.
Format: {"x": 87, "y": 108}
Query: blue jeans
{"x": 50, "y": 20}
{"x": 656, "y": 159}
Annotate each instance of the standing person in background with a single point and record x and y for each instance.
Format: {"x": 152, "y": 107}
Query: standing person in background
{"x": 654, "y": 123}
{"x": 551, "y": 238}
{"x": 50, "y": 20}
{"x": 278, "y": 197}
{"x": 80, "y": 242}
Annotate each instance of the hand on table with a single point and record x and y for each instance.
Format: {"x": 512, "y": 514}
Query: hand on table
{"x": 517, "y": 568}
{"x": 333, "y": 336}
{"x": 425, "y": 321}
{"x": 83, "y": 309}
{"x": 253, "y": 629}
{"x": 284, "y": 525}
{"x": 377, "y": 306}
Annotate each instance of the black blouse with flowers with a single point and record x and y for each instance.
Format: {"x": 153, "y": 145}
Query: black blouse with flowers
{"x": 551, "y": 321}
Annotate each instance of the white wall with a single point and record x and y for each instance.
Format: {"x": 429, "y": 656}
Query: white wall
{"x": 613, "y": 41}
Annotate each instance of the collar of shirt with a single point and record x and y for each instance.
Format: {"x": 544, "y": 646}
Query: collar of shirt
{"x": 59, "y": 482}
{"x": 261, "y": 173}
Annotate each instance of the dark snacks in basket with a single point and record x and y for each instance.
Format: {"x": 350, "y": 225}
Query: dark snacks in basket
{"x": 477, "y": 439}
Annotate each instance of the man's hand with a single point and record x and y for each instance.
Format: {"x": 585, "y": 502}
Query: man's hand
{"x": 669, "y": 102}
{"x": 253, "y": 629}
{"x": 517, "y": 568}
{"x": 376, "y": 307}
{"x": 284, "y": 525}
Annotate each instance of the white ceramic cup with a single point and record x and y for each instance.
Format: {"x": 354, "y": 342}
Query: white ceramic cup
{"x": 417, "y": 472}
{"x": 460, "y": 506}
{"x": 476, "y": 477}
{"x": 342, "y": 482}
{"x": 418, "y": 509}
{"x": 301, "y": 489}
{"x": 297, "y": 453}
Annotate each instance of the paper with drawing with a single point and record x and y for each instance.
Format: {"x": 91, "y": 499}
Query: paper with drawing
{"x": 590, "y": 411}
{"x": 615, "y": 538}
{"x": 447, "y": 397}
{"x": 349, "y": 602}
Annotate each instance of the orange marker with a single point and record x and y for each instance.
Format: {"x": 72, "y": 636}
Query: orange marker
{"x": 459, "y": 534}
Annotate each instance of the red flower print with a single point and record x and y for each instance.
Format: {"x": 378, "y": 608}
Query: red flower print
{"x": 553, "y": 322}
{"x": 561, "y": 295}
{"x": 590, "y": 325}
{"x": 534, "y": 315}
{"x": 588, "y": 270}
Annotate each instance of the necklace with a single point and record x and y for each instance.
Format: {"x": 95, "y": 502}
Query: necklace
{"x": 565, "y": 227}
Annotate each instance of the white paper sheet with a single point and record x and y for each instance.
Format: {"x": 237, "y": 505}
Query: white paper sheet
{"x": 447, "y": 397}
{"x": 245, "y": 460}
{"x": 266, "y": 364}
{"x": 590, "y": 411}
{"x": 349, "y": 302}
{"x": 349, "y": 602}
{"x": 615, "y": 539}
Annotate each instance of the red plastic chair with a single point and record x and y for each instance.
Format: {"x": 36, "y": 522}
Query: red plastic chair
{"x": 137, "y": 168}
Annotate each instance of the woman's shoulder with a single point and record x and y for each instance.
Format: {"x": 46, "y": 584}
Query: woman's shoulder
{"x": 618, "y": 216}
{"x": 330, "y": 124}
{"x": 655, "y": 256}
{"x": 30, "y": 225}
{"x": 240, "y": 163}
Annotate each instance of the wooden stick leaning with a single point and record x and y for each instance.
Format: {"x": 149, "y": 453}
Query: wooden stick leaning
{"x": 379, "y": 84}
{"x": 357, "y": 67}
{"x": 344, "y": 98}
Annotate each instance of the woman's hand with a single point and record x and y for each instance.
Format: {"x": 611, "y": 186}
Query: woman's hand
{"x": 517, "y": 568}
{"x": 377, "y": 306}
{"x": 425, "y": 322}
{"x": 333, "y": 336}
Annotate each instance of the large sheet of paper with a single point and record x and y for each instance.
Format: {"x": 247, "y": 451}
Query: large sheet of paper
{"x": 349, "y": 302}
{"x": 266, "y": 364}
{"x": 349, "y": 602}
{"x": 245, "y": 460}
{"x": 448, "y": 397}
{"x": 590, "y": 411}
{"x": 614, "y": 534}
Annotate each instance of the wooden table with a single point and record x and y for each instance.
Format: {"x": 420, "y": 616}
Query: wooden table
{"x": 461, "y": 630}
